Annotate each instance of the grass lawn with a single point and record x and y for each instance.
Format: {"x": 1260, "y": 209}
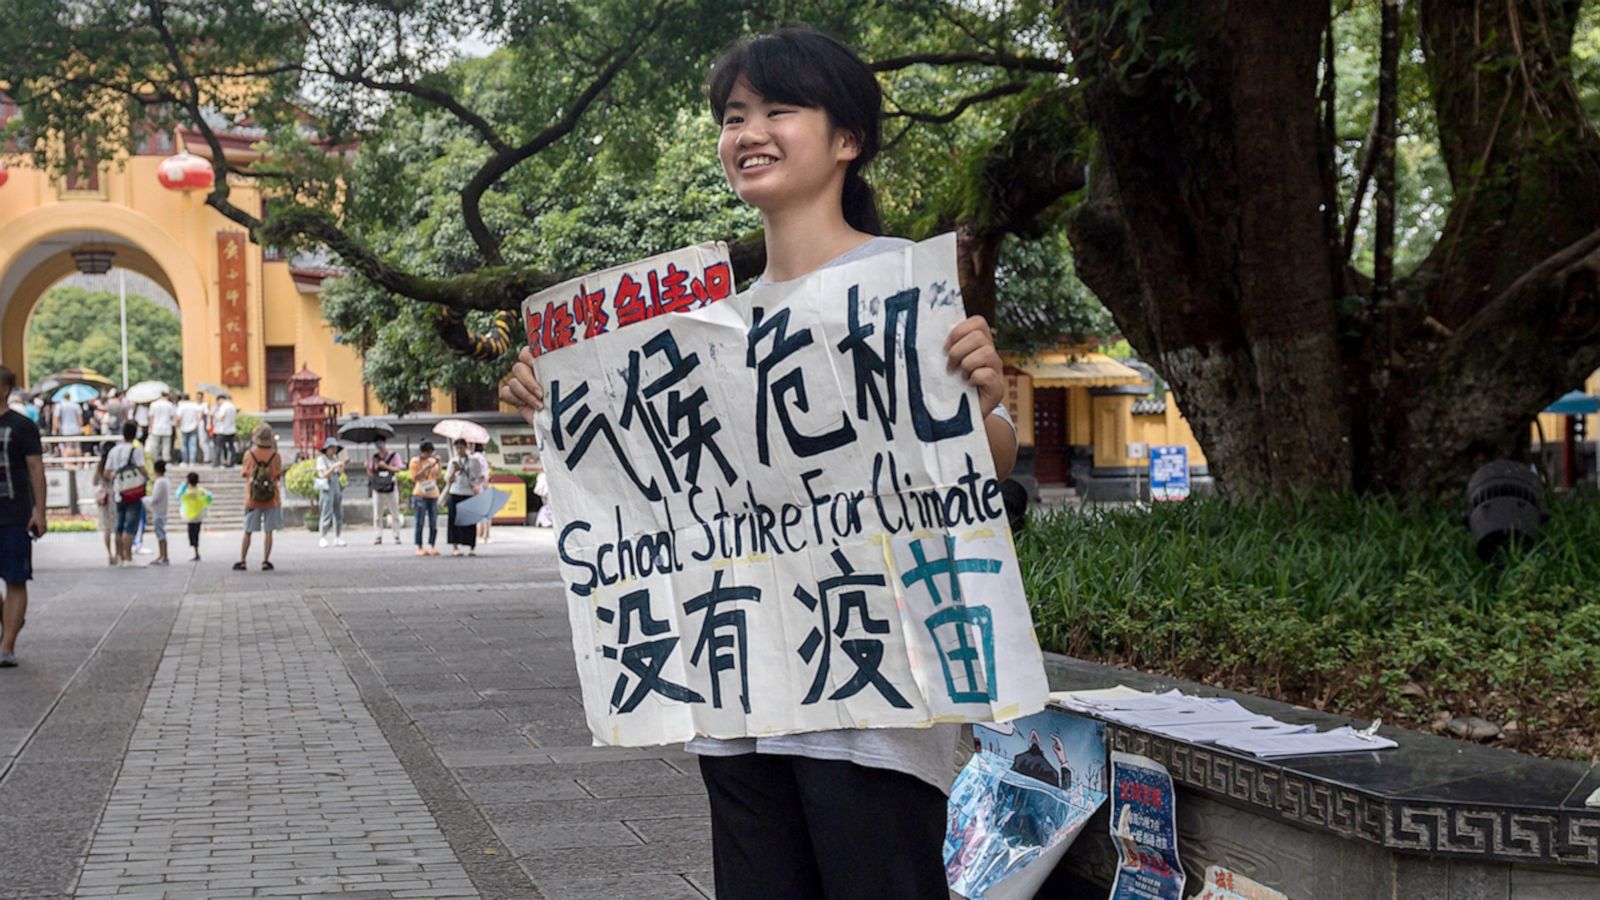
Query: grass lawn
{"x": 1352, "y": 605}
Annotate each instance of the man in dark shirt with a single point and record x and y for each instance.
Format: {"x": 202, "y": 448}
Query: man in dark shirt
{"x": 22, "y": 514}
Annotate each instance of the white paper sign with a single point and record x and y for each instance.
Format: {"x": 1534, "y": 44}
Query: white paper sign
{"x": 777, "y": 511}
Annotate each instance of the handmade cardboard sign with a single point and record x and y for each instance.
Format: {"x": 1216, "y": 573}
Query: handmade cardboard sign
{"x": 776, "y": 511}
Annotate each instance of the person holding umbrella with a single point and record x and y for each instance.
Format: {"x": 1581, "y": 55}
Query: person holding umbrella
{"x": 465, "y": 479}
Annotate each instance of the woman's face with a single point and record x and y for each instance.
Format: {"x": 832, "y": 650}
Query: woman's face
{"x": 777, "y": 154}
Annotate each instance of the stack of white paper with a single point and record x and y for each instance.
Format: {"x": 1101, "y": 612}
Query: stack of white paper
{"x": 1339, "y": 740}
{"x": 1216, "y": 720}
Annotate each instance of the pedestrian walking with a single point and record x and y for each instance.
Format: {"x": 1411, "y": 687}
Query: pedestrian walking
{"x": 104, "y": 503}
{"x": 69, "y": 423}
{"x": 190, "y": 415}
{"x": 381, "y": 483}
{"x": 846, "y": 812}
{"x": 263, "y": 499}
{"x": 224, "y": 423}
{"x": 483, "y": 466}
{"x": 22, "y": 514}
{"x": 129, "y": 479}
{"x": 329, "y": 485}
{"x": 193, "y": 501}
{"x": 117, "y": 411}
{"x": 163, "y": 421}
{"x": 158, "y": 503}
{"x": 425, "y": 472}
{"x": 464, "y": 479}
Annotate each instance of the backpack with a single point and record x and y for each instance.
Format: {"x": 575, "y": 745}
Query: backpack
{"x": 129, "y": 481}
{"x": 262, "y": 490}
{"x": 382, "y": 479}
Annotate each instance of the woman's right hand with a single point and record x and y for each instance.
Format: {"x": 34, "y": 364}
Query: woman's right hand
{"x": 522, "y": 389}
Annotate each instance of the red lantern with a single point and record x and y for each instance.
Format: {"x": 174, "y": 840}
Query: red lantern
{"x": 185, "y": 172}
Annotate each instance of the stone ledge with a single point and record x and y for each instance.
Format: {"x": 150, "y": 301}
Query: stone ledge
{"x": 1432, "y": 796}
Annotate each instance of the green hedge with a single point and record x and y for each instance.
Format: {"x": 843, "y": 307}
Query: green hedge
{"x": 1345, "y": 603}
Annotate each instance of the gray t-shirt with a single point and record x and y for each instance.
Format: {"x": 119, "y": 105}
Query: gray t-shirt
{"x": 924, "y": 753}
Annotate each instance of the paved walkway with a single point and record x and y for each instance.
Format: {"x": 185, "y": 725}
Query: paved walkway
{"x": 360, "y": 723}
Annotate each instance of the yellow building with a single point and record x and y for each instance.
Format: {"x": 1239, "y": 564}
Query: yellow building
{"x": 1087, "y": 421}
{"x": 250, "y": 318}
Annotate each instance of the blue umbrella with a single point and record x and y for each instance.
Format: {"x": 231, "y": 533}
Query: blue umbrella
{"x": 1575, "y": 403}
{"x": 77, "y": 392}
{"x": 478, "y": 507}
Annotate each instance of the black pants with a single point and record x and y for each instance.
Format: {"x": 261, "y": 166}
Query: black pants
{"x": 223, "y": 450}
{"x": 793, "y": 828}
{"x": 194, "y": 535}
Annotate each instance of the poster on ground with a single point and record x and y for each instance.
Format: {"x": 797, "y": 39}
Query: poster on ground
{"x": 779, "y": 511}
{"x": 1144, "y": 829}
{"x": 1021, "y": 801}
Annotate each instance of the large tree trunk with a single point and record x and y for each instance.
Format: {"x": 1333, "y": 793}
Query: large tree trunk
{"x": 1205, "y": 235}
{"x": 1208, "y": 236}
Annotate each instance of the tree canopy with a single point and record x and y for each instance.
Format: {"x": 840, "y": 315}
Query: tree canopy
{"x": 75, "y": 327}
{"x": 1324, "y": 223}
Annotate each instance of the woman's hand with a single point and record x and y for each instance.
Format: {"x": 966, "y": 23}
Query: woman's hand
{"x": 523, "y": 390}
{"x": 971, "y": 349}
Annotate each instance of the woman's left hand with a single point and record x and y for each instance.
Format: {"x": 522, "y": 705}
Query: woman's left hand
{"x": 971, "y": 349}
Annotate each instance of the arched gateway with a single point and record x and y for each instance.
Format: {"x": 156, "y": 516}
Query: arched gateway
{"x": 250, "y": 318}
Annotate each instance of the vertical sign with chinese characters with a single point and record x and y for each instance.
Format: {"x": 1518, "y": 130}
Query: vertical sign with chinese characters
{"x": 231, "y": 296}
{"x": 777, "y": 511}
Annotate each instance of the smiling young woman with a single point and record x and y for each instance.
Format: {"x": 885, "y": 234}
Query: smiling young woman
{"x": 852, "y": 812}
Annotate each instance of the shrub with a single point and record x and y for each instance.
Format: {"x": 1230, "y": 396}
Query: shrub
{"x": 1352, "y": 604}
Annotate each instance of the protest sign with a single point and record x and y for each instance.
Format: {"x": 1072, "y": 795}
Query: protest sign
{"x": 1144, "y": 828}
{"x": 1021, "y": 801}
{"x": 778, "y": 510}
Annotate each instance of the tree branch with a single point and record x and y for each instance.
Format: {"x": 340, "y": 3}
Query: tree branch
{"x": 218, "y": 198}
{"x": 1022, "y": 63}
{"x": 440, "y": 98}
{"x": 1388, "y": 90}
{"x": 1010, "y": 87}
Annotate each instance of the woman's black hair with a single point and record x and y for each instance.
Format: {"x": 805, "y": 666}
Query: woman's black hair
{"x": 427, "y": 447}
{"x": 808, "y": 68}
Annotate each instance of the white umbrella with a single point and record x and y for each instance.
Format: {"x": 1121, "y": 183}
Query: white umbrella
{"x": 148, "y": 391}
{"x": 471, "y": 432}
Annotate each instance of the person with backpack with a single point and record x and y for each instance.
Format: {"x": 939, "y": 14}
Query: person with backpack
{"x": 381, "y": 469}
{"x": 263, "y": 503}
{"x": 425, "y": 473}
{"x": 129, "y": 479}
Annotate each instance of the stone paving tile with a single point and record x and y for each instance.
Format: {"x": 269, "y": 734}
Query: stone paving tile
{"x": 475, "y": 675}
{"x": 255, "y": 770}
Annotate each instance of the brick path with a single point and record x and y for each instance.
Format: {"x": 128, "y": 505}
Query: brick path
{"x": 359, "y": 723}
{"x": 256, "y": 770}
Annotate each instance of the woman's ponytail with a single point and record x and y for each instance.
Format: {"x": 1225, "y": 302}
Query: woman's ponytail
{"x": 860, "y": 203}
